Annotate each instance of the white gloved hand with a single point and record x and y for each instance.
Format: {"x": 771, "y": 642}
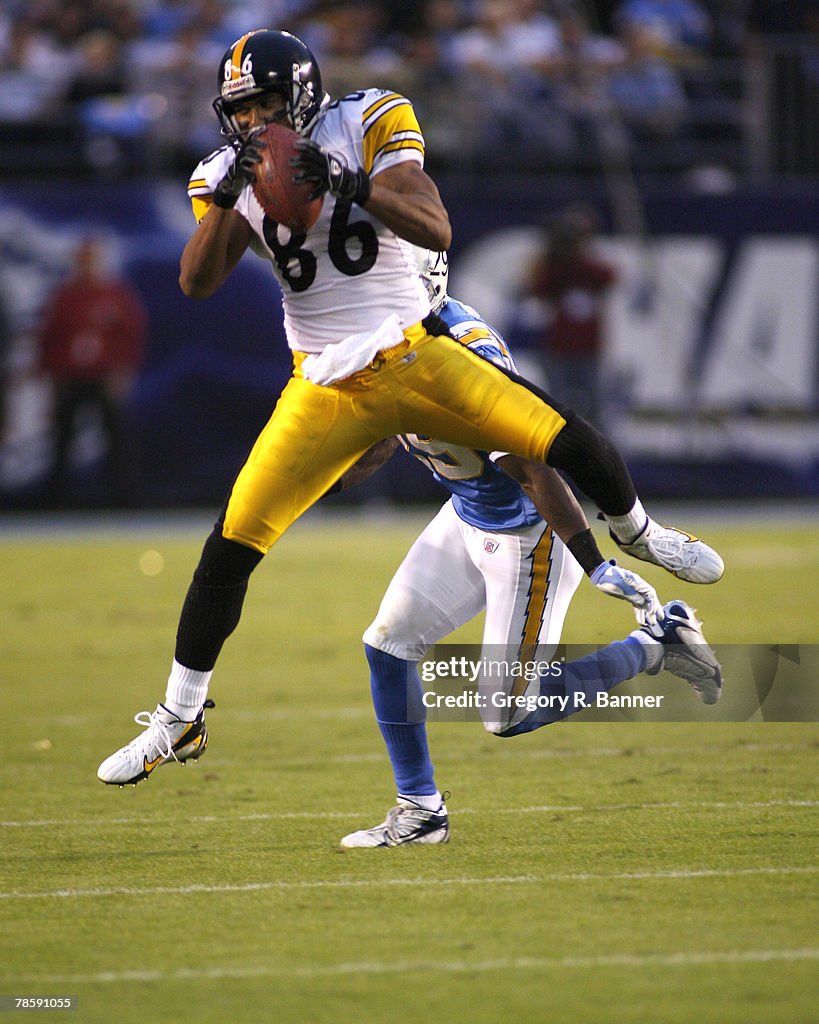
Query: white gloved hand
{"x": 612, "y": 579}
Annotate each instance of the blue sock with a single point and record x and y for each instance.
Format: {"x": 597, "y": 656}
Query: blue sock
{"x": 397, "y": 699}
{"x": 609, "y": 666}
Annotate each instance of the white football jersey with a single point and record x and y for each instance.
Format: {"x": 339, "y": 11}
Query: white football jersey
{"x": 349, "y": 272}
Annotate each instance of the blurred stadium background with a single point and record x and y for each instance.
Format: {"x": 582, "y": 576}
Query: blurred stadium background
{"x": 687, "y": 127}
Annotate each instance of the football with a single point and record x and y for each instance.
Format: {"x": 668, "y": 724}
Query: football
{"x": 278, "y": 195}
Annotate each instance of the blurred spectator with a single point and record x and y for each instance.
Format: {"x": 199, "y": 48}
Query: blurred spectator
{"x": 672, "y": 26}
{"x": 174, "y": 79}
{"x": 34, "y": 73}
{"x": 436, "y": 89}
{"x": 92, "y": 341}
{"x": 646, "y": 90}
{"x": 528, "y": 76}
{"x": 352, "y": 48}
{"x": 100, "y": 70}
{"x": 239, "y": 16}
{"x": 503, "y": 62}
{"x": 580, "y": 48}
{"x": 534, "y": 34}
{"x": 99, "y": 96}
{"x": 571, "y": 282}
{"x": 442, "y": 21}
{"x": 581, "y": 84}
{"x": 507, "y": 38}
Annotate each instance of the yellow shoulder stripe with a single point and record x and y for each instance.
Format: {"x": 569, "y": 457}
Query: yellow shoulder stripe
{"x": 373, "y": 107}
{"x": 390, "y": 147}
{"x": 391, "y": 125}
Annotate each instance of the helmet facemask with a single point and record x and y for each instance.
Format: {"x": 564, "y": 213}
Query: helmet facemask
{"x": 230, "y": 124}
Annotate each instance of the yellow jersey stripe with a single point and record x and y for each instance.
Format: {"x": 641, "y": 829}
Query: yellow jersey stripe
{"x": 397, "y": 147}
{"x": 391, "y": 127}
{"x": 368, "y": 123}
{"x": 373, "y": 107}
{"x": 390, "y": 147}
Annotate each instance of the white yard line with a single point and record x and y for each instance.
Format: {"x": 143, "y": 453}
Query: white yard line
{"x": 415, "y": 968}
{"x": 368, "y": 883}
{"x": 714, "y": 805}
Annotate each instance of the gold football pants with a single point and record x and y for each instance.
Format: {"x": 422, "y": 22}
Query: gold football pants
{"x": 426, "y": 385}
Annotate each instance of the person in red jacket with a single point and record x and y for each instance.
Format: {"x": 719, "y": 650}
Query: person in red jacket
{"x": 572, "y": 282}
{"x": 92, "y": 343}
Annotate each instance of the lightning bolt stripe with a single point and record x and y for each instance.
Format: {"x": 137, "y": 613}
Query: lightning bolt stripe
{"x": 540, "y": 570}
{"x": 539, "y": 577}
{"x": 476, "y": 334}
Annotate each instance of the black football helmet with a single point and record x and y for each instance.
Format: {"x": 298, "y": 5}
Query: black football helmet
{"x": 264, "y": 61}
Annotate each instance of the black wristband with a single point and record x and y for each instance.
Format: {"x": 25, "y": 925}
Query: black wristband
{"x": 225, "y": 200}
{"x": 363, "y": 187}
{"x": 584, "y": 548}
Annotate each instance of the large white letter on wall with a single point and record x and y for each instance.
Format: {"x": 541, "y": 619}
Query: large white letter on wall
{"x": 763, "y": 351}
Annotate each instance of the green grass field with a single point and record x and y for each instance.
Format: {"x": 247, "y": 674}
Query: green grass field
{"x": 616, "y": 872}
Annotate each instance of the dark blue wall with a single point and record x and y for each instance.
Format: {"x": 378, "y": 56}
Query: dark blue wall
{"x": 214, "y": 367}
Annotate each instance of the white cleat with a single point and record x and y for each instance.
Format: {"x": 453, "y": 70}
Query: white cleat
{"x": 405, "y": 823}
{"x": 165, "y": 738}
{"x": 682, "y": 554}
{"x": 686, "y": 652}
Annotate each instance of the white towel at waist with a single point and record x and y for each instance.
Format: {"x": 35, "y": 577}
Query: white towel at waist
{"x": 352, "y": 353}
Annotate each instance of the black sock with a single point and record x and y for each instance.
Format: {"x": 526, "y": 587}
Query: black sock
{"x": 213, "y": 605}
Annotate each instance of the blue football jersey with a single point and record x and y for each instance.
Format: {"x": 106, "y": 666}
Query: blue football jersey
{"x": 482, "y": 494}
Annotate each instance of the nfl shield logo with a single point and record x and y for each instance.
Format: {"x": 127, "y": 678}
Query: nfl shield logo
{"x": 490, "y": 546}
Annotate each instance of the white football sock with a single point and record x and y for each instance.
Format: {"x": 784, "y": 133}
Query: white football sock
{"x": 654, "y": 650}
{"x": 431, "y": 802}
{"x": 186, "y": 691}
{"x": 626, "y": 528}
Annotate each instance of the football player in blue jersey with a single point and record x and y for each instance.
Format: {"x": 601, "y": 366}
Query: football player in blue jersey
{"x": 370, "y": 359}
{"x": 493, "y": 547}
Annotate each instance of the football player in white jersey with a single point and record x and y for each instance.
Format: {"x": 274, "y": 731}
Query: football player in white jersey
{"x": 502, "y": 544}
{"x": 370, "y": 360}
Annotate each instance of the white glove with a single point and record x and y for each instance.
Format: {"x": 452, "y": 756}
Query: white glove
{"x": 627, "y": 585}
